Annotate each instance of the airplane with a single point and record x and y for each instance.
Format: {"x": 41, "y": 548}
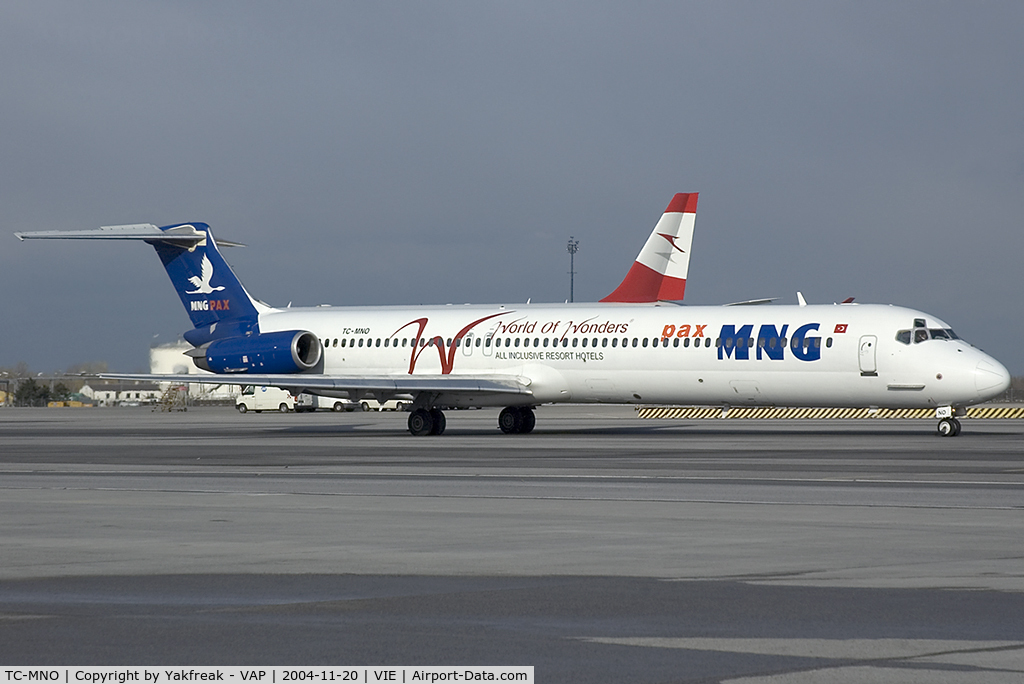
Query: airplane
{"x": 638, "y": 345}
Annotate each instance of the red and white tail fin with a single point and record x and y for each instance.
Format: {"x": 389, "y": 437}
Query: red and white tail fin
{"x": 659, "y": 272}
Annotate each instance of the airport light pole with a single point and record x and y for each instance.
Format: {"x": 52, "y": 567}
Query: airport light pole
{"x": 574, "y": 246}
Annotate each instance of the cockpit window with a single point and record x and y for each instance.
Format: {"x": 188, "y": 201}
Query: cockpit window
{"x": 919, "y": 323}
{"x": 925, "y": 334}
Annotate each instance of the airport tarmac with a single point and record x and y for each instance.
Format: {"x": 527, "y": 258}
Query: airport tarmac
{"x": 600, "y": 548}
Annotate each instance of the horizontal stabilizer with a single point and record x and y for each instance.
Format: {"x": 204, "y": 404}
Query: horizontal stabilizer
{"x": 184, "y": 235}
{"x": 752, "y": 302}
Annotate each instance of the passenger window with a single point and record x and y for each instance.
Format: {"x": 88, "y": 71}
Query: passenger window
{"x": 360, "y": 341}
{"x": 478, "y": 342}
{"x": 828, "y": 343}
{"x": 517, "y": 341}
{"x": 817, "y": 343}
{"x": 378, "y": 342}
{"x": 635, "y": 341}
{"x": 686, "y": 342}
{"x": 343, "y": 343}
{"x": 645, "y": 341}
{"x": 487, "y": 342}
{"x": 546, "y": 340}
{"x": 675, "y": 342}
{"x": 615, "y": 341}
{"x": 604, "y": 341}
{"x": 385, "y": 341}
{"x": 920, "y": 335}
{"x": 707, "y": 342}
{"x": 575, "y": 341}
{"x": 772, "y": 341}
{"x": 536, "y": 341}
{"x": 584, "y": 341}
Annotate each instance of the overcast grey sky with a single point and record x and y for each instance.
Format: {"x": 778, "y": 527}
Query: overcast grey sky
{"x": 389, "y": 153}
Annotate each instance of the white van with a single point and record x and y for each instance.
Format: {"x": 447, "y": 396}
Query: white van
{"x": 308, "y": 403}
{"x": 259, "y": 399}
{"x": 389, "y": 405}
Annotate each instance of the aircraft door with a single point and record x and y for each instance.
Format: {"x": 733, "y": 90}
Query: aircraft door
{"x": 868, "y": 343}
{"x": 467, "y": 344}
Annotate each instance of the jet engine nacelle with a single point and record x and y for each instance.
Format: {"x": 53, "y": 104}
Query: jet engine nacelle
{"x": 291, "y": 351}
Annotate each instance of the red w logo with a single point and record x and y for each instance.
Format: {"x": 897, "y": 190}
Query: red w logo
{"x": 447, "y": 361}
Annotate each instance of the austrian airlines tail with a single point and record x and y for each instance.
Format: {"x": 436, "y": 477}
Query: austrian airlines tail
{"x": 659, "y": 272}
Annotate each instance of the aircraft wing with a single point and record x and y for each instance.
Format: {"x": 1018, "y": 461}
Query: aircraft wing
{"x": 355, "y": 385}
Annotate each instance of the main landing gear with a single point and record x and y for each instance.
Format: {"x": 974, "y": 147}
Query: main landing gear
{"x": 513, "y": 420}
{"x": 517, "y": 420}
{"x": 427, "y": 422}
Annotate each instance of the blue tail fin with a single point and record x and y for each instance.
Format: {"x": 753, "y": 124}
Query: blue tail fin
{"x": 209, "y": 290}
{"x": 212, "y": 295}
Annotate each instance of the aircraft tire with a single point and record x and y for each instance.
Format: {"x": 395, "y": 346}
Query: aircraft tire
{"x": 421, "y": 422}
{"x": 947, "y": 428}
{"x": 510, "y": 420}
{"x": 956, "y": 427}
{"x": 241, "y": 408}
{"x": 437, "y": 416}
{"x": 529, "y": 420}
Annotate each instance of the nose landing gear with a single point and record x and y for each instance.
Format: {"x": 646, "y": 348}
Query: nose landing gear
{"x": 949, "y": 427}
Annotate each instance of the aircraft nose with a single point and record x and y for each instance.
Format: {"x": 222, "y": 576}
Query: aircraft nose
{"x": 991, "y": 377}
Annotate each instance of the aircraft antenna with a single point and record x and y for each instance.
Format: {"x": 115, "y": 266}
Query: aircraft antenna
{"x": 573, "y": 247}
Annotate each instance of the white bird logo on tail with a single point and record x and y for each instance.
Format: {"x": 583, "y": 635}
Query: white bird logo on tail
{"x": 202, "y": 282}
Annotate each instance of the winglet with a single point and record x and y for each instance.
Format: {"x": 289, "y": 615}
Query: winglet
{"x": 659, "y": 272}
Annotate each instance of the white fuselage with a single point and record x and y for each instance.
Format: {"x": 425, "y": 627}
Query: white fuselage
{"x": 835, "y": 355}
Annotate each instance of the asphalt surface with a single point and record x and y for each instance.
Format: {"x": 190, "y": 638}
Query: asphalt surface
{"x": 600, "y": 548}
